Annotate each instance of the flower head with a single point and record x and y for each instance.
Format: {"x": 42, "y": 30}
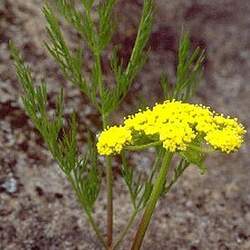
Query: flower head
{"x": 176, "y": 125}
{"x": 112, "y": 140}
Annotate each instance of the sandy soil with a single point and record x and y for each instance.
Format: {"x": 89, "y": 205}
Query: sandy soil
{"x": 38, "y": 209}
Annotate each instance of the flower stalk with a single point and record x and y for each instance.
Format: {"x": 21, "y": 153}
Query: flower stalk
{"x": 109, "y": 181}
{"x": 154, "y": 197}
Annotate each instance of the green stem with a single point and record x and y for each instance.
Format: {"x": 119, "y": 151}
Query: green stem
{"x": 109, "y": 178}
{"x": 137, "y": 49}
{"x": 200, "y": 149}
{"x": 157, "y": 143}
{"x": 124, "y": 232}
{"x": 99, "y": 75}
{"x": 109, "y": 171}
{"x": 142, "y": 147}
{"x": 157, "y": 163}
{"x": 89, "y": 215}
{"x": 109, "y": 181}
{"x": 154, "y": 197}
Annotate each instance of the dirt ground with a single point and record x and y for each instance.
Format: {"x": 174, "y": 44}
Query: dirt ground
{"x": 38, "y": 210}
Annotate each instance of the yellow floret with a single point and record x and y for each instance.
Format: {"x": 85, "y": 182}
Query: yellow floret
{"x": 226, "y": 140}
{"x": 112, "y": 140}
{"x": 176, "y": 136}
{"x": 222, "y": 122}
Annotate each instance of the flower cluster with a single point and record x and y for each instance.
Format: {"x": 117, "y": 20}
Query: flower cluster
{"x": 176, "y": 125}
{"x": 112, "y": 140}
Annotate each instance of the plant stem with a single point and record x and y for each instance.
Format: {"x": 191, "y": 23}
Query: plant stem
{"x": 124, "y": 232}
{"x": 109, "y": 178}
{"x": 154, "y": 197}
{"x": 99, "y": 70}
{"x": 157, "y": 163}
{"x": 109, "y": 171}
{"x": 200, "y": 149}
{"x": 142, "y": 147}
{"x": 109, "y": 181}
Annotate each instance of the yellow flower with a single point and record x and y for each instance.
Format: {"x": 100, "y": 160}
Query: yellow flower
{"x": 226, "y": 140}
{"x": 112, "y": 140}
{"x": 176, "y": 136}
{"x": 226, "y": 135}
{"x": 176, "y": 125}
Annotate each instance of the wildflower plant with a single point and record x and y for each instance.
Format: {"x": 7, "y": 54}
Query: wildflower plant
{"x": 173, "y": 127}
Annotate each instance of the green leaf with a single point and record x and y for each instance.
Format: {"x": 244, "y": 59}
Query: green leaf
{"x": 70, "y": 63}
{"x": 182, "y": 165}
{"x": 67, "y": 151}
{"x": 165, "y": 87}
{"x": 63, "y": 148}
{"x": 189, "y": 70}
{"x": 106, "y": 25}
{"x": 196, "y": 157}
{"x": 81, "y": 21}
{"x": 139, "y": 190}
{"x": 86, "y": 177}
{"x": 125, "y": 77}
{"x": 88, "y": 4}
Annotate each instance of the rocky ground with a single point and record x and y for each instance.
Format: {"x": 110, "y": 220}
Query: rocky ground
{"x": 38, "y": 209}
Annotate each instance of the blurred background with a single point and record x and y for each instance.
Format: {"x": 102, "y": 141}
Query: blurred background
{"x": 38, "y": 209}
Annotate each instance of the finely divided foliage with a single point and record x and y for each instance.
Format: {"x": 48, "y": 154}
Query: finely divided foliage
{"x": 178, "y": 134}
